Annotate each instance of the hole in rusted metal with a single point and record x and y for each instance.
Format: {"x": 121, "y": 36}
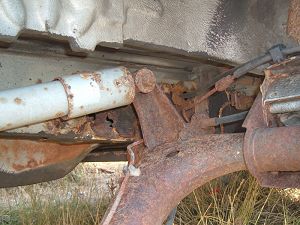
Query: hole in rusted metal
{"x": 185, "y": 97}
{"x": 92, "y": 116}
{"x": 109, "y": 121}
{"x": 172, "y": 154}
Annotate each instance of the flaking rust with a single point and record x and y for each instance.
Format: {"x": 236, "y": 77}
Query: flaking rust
{"x": 126, "y": 80}
{"x": 21, "y": 155}
{"x": 18, "y": 101}
{"x": 171, "y": 171}
{"x": 293, "y": 26}
{"x": 145, "y": 80}
{"x": 69, "y": 93}
{"x": 96, "y": 76}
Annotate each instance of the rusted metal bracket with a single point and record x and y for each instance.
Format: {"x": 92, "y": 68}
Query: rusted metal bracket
{"x": 28, "y": 162}
{"x": 174, "y": 161}
{"x": 171, "y": 171}
{"x": 159, "y": 120}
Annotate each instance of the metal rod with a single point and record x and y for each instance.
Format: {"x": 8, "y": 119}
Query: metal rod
{"x": 69, "y": 96}
{"x": 275, "y": 149}
{"x": 231, "y": 118}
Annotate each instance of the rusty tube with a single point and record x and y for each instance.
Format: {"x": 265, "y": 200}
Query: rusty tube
{"x": 172, "y": 171}
{"x": 275, "y": 149}
{"x": 68, "y": 97}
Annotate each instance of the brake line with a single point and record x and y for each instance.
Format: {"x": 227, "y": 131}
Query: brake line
{"x": 275, "y": 54}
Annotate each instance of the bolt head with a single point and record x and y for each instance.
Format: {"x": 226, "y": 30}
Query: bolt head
{"x": 145, "y": 80}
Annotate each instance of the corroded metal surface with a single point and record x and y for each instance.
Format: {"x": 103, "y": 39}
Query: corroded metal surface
{"x": 98, "y": 91}
{"x": 176, "y": 91}
{"x": 118, "y": 125}
{"x": 131, "y": 171}
{"x": 174, "y": 171}
{"x": 113, "y": 126}
{"x": 276, "y": 149}
{"x": 224, "y": 83}
{"x": 293, "y": 26}
{"x": 159, "y": 120}
{"x": 240, "y": 92}
{"x": 200, "y": 125}
{"x": 145, "y": 80}
{"x": 271, "y": 153}
{"x": 21, "y": 155}
{"x": 220, "y": 85}
{"x": 243, "y": 91}
{"x": 241, "y": 101}
{"x": 27, "y": 162}
{"x": 280, "y": 89}
{"x": 272, "y": 143}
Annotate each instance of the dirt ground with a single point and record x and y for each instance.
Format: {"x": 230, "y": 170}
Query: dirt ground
{"x": 88, "y": 179}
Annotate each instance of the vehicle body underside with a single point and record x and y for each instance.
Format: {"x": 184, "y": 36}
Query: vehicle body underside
{"x": 186, "y": 91}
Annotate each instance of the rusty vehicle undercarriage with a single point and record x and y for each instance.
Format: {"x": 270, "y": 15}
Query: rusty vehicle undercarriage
{"x": 183, "y": 97}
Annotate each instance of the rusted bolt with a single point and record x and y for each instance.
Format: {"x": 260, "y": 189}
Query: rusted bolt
{"x": 145, "y": 80}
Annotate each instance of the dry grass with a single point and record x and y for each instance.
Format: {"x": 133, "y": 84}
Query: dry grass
{"x": 79, "y": 198}
{"x": 238, "y": 199}
{"x": 82, "y": 197}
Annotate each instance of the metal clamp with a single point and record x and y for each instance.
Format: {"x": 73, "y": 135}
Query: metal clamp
{"x": 276, "y": 53}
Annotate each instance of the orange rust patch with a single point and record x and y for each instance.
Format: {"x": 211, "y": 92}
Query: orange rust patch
{"x": 21, "y": 155}
{"x": 30, "y": 164}
{"x": 69, "y": 94}
{"x": 39, "y": 81}
{"x": 128, "y": 82}
{"x": 18, "y": 101}
{"x": 130, "y": 95}
{"x": 80, "y": 127}
{"x": 85, "y": 75}
{"x": 96, "y": 77}
{"x": 293, "y": 26}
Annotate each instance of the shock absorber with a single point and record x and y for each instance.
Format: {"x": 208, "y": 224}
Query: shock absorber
{"x": 67, "y": 97}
